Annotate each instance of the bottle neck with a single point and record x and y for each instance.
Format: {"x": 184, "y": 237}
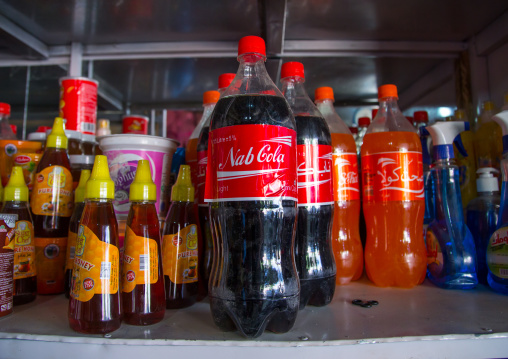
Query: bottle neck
{"x": 137, "y": 203}
{"x": 297, "y": 97}
{"x": 390, "y": 118}
{"x": 207, "y": 113}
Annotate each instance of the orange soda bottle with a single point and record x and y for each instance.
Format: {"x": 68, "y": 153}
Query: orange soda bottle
{"x": 393, "y": 197}
{"x": 346, "y": 243}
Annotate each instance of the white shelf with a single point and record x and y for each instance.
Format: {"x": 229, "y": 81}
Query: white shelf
{"x": 419, "y": 323}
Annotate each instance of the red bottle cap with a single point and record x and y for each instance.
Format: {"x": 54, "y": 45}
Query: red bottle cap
{"x": 421, "y": 116}
{"x": 5, "y": 108}
{"x": 225, "y": 80}
{"x": 249, "y": 44}
{"x": 354, "y": 130}
{"x": 292, "y": 69}
{"x": 323, "y": 93}
{"x": 410, "y": 119}
{"x": 374, "y": 112}
{"x": 43, "y": 128}
{"x": 211, "y": 97}
{"x": 363, "y": 122}
{"x": 14, "y": 129}
{"x": 387, "y": 91}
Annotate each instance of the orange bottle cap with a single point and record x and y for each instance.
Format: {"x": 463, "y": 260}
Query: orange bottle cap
{"x": 210, "y": 97}
{"x": 323, "y": 93}
{"x": 387, "y": 91}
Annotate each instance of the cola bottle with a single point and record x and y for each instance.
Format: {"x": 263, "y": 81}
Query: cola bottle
{"x": 252, "y": 194}
{"x": 205, "y": 262}
{"x": 313, "y": 246}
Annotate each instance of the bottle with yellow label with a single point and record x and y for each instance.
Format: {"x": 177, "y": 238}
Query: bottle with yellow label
{"x": 52, "y": 205}
{"x": 25, "y": 269}
{"x": 180, "y": 244}
{"x": 94, "y": 307}
{"x": 143, "y": 296}
{"x": 79, "y": 206}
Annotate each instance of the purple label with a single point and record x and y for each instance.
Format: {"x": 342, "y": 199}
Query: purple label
{"x": 122, "y": 167}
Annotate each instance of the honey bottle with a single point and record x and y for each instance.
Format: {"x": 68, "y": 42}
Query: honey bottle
{"x": 143, "y": 297}
{"x": 94, "y": 307}
{"x": 25, "y": 268}
{"x": 79, "y": 206}
{"x": 52, "y": 205}
{"x": 180, "y": 244}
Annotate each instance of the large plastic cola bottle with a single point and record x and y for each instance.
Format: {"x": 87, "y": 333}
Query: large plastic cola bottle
{"x": 252, "y": 192}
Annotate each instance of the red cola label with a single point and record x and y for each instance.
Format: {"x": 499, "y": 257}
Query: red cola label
{"x": 251, "y": 162}
{"x": 393, "y": 176}
{"x": 202, "y": 164}
{"x": 345, "y": 171}
{"x": 315, "y": 184}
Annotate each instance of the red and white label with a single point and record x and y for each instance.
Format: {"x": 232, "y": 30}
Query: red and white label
{"x": 345, "y": 175}
{"x": 251, "y": 162}
{"x": 202, "y": 163}
{"x": 315, "y": 184}
{"x": 393, "y": 176}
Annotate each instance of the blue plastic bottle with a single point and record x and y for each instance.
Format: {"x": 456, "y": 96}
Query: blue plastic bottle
{"x": 450, "y": 246}
{"x": 497, "y": 248}
{"x": 482, "y": 216}
{"x": 427, "y": 179}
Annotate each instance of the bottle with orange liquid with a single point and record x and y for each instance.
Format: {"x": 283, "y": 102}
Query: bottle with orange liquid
{"x": 143, "y": 297}
{"x": 210, "y": 98}
{"x": 393, "y": 197}
{"x": 94, "y": 307}
{"x": 346, "y": 243}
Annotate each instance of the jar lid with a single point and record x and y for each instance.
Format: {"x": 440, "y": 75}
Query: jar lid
{"x": 81, "y": 159}
{"x": 36, "y": 136}
{"x": 88, "y": 138}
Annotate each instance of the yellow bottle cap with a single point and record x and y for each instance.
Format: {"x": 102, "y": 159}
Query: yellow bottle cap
{"x": 56, "y": 137}
{"x": 16, "y": 189}
{"x": 143, "y": 188}
{"x": 183, "y": 190}
{"x": 100, "y": 184}
{"x": 488, "y": 105}
{"x": 79, "y": 193}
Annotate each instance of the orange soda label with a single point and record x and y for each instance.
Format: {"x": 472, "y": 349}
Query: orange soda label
{"x": 96, "y": 266}
{"x": 180, "y": 255}
{"x": 392, "y": 176}
{"x": 345, "y": 177}
{"x": 50, "y": 257}
{"x": 52, "y": 193}
{"x": 140, "y": 261}
{"x": 24, "y": 250}
{"x": 71, "y": 249}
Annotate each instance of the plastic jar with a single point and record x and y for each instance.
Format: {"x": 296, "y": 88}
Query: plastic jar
{"x": 88, "y": 144}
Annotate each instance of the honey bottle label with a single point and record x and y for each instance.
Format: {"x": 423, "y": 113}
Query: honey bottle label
{"x": 180, "y": 255}
{"x": 24, "y": 250}
{"x": 96, "y": 266}
{"x": 52, "y": 193}
{"x": 71, "y": 250}
{"x": 140, "y": 261}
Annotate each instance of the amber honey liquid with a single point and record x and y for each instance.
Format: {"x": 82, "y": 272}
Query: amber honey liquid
{"x": 52, "y": 226}
{"x": 180, "y": 295}
{"x": 101, "y": 314}
{"x": 25, "y": 289}
{"x": 146, "y": 303}
{"x": 395, "y": 253}
{"x": 73, "y": 227}
{"x": 346, "y": 242}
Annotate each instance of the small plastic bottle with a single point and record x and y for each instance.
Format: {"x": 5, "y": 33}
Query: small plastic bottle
{"x": 142, "y": 277}
{"x": 25, "y": 268}
{"x": 180, "y": 245}
{"x": 6, "y": 132}
{"x": 79, "y": 206}
{"x": 94, "y": 307}
{"x": 51, "y": 204}
{"x": 482, "y": 215}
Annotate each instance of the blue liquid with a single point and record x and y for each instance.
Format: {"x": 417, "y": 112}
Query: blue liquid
{"x": 457, "y": 268}
{"x": 501, "y": 284}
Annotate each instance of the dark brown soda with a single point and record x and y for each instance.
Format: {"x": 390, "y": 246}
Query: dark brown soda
{"x": 25, "y": 289}
{"x": 180, "y": 215}
{"x": 101, "y": 314}
{"x": 146, "y": 303}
